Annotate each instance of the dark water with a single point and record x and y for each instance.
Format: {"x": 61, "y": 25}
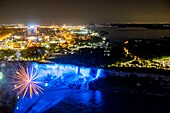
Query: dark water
{"x": 118, "y": 34}
{"x": 88, "y": 101}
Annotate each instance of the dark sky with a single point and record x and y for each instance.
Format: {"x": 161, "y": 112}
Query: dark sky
{"x": 83, "y": 11}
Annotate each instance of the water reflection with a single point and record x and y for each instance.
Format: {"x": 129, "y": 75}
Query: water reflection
{"x": 86, "y": 101}
{"x": 59, "y": 98}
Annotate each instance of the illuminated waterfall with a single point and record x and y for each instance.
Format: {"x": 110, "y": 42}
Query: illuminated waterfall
{"x": 53, "y": 73}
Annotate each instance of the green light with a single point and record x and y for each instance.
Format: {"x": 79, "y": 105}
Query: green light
{"x": 1, "y": 75}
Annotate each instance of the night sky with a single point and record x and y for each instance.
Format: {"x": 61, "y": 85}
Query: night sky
{"x": 83, "y": 11}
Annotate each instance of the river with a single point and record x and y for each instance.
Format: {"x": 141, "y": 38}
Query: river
{"x": 89, "y": 101}
{"x": 119, "y": 34}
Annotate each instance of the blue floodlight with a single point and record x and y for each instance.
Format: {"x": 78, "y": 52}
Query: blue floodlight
{"x": 32, "y": 27}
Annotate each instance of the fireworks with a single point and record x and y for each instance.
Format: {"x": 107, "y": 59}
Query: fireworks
{"x": 26, "y": 82}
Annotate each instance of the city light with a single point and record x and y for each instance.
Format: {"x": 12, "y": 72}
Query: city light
{"x": 32, "y": 38}
{"x": 64, "y": 40}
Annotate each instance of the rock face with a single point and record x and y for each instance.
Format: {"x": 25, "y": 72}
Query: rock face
{"x": 7, "y": 96}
